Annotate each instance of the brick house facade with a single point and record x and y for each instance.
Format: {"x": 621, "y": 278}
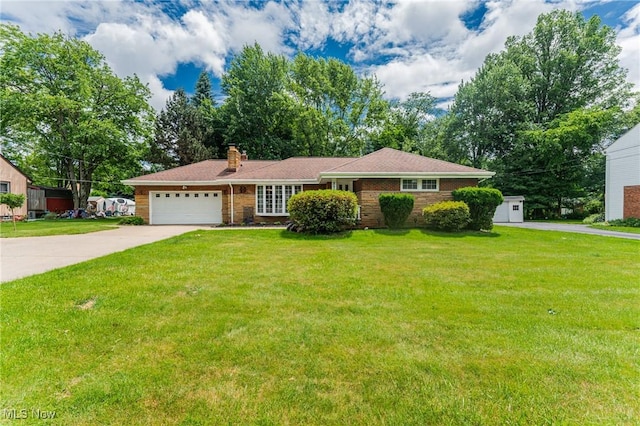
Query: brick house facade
{"x": 631, "y": 202}
{"x": 257, "y": 191}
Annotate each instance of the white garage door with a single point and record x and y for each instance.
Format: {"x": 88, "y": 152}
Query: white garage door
{"x": 185, "y": 207}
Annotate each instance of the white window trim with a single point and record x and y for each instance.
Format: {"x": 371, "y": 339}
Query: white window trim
{"x": 273, "y": 200}
{"x": 8, "y": 184}
{"x": 437, "y": 188}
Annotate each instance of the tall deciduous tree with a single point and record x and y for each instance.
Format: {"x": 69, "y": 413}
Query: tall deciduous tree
{"x": 278, "y": 108}
{"x": 336, "y": 109}
{"x": 538, "y": 111}
{"x": 59, "y": 92}
{"x": 256, "y": 108}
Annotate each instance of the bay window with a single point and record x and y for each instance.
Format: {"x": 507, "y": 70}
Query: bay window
{"x": 272, "y": 199}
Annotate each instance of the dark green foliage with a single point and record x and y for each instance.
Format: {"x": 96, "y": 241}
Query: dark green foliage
{"x": 323, "y": 211}
{"x": 482, "y": 204}
{"x": 632, "y": 222}
{"x": 69, "y": 112}
{"x": 539, "y": 112}
{"x": 396, "y": 208}
{"x": 451, "y": 216}
{"x": 131, "y": 220}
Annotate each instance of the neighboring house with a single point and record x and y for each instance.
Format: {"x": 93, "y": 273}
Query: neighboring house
{"x": 622, "y": 192}
{"x": 241, "y": 190}
{"x": 511, "y": 210}
{"x": 12, "y": 180}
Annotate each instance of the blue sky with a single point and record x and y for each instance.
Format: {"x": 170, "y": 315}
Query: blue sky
{"x": 410, "y": 45}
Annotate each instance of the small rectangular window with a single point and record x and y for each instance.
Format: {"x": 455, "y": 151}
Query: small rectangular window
{"x": 429, "y": 184}
{"x": 167, "y": 195}
{"x": 186, "y": 195}
{"x": 215, "y": 195}
{"x": 196, "y": 195}
{"x": 409, "y": 184}
{"x": 157, "y": 195}
{"x": 206, "y": 195}
{"x": 177, "y": 195}
{"x": 5, "y": 187}
{"x": 516, "y": 208}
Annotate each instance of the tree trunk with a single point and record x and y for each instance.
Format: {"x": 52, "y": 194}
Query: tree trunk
{"x": 559, "y": 207}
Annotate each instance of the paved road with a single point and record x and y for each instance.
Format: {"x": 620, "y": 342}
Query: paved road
{"x": 570, "y": 227}
{"x": 21, "y": 257}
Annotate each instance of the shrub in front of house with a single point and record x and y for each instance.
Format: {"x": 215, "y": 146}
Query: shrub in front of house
{"x": 323, "y": 211}
{"x": 396, "y": 208}
{"x": 631, "y": 222}
{"x": 131, "y": 220}
{"x": 482, "y": 204}
{"x": 450, "y": 216}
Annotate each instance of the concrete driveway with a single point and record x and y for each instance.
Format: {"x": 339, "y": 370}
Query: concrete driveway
{"x": 21, "y": 257}
{"x": 571, "y": 227}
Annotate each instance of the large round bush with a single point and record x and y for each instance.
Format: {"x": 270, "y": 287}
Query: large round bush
{"x": 482, "y": 204}
{"x": 323, "y": 211}
{"x": 451, "y": 216}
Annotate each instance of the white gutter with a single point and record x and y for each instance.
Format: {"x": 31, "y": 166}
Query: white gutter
{"x": 231, "y": 213}
{"x": 329, "y": 175}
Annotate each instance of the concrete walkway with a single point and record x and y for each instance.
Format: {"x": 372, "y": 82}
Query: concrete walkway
{"x": 571, "y": 227}
{"x": 21, "y": 257}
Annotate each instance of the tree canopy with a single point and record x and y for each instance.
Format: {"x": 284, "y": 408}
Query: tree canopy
{"x": 540, "y": 110}
{"x": 66, "y": 110}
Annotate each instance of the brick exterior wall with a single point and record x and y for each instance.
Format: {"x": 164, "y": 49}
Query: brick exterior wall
{"x": 631, "y": 202}
{"x": 368, "y": 191}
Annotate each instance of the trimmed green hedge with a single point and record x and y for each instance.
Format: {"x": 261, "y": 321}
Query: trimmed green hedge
{"x": 632, "y": 222}
{"x": 323, "y": 211}
{"x": 482, "y": 204}
{"x": 396, "y": 208}
{"x": 131, "y": 220}
{"x": 451, "y": 216}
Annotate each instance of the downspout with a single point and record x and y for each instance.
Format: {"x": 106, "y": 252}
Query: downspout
{"x": 231, "y": 212}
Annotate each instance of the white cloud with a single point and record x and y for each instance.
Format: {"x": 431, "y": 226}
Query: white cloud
{"x": 265, "y": 26}
{"x": 629, "y": 41}
{"x": 424, "y": 44}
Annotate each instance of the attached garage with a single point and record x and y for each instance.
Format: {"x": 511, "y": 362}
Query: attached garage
{"x": 185, "y": 207}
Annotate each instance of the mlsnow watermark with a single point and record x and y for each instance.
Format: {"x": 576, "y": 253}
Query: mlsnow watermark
{"x": 26, "y": 413}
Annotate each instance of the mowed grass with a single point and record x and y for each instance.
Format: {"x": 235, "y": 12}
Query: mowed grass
{"x": 43, "y": 228}
{"x": 628, "y": 229}
{"x": 270, "y": 328}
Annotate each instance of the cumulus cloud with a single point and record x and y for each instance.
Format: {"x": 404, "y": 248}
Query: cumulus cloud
{"x": 411, "y": 45}
{"x": 629, "y": 41}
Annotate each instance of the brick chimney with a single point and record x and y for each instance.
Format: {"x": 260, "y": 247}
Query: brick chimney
{"x": 243, "y": 156}
{"x": 233, "y": 158}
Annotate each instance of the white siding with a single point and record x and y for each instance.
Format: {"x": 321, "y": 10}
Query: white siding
{"x": 511, "y": 210}
{"x": 623, "y": 169}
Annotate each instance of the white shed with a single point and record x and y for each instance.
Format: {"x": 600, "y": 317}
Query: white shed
{"x": 511, "y": 210}
{"x": 623, "y": 170}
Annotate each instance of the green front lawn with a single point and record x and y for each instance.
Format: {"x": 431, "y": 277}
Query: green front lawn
{"x": 43, "y": 228}
{"x": 267, "y": 327}
{"x": 628, "y": 229}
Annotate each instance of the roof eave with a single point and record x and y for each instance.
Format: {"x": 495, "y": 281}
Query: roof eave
{"x": 136, "y": 182}
{"x": 338, "y": 175}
